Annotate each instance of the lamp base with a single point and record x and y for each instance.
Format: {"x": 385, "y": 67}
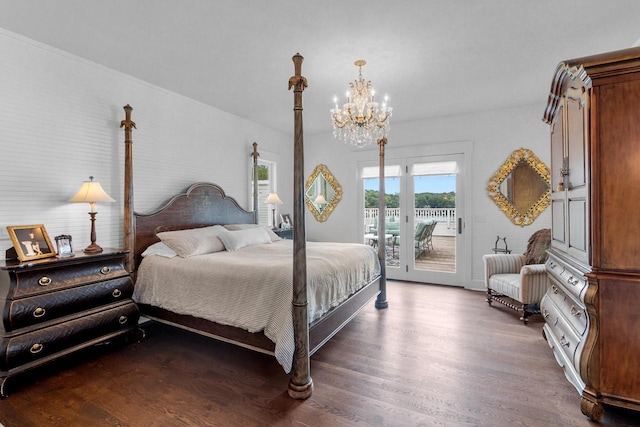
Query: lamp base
{"x": 93, "y": 248}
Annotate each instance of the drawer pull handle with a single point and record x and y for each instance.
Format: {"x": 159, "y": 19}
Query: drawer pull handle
{"x": 105, "y": 270}
{"x": 552, "y": 265}
{"x": 116, "y": 293}
{"x": 123, "y": 320}
{"x": 44, "y": 281}
{"x": 545, "y": 313}
{"x": 565, "y": 342}
{"x": 36, "y": 348}
{"x": 39, "y": 312}
{"x": 554, "y": 289}
{"x": 574, "y": 311}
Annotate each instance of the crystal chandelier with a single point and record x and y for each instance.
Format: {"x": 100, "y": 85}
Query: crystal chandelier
{"x": 361, "y": 120}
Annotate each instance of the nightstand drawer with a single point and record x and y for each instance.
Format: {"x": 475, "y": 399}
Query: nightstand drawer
{"x": 30, "y": 347}
{"x": 33, "y": 310}
{"x": 39, "y": 280}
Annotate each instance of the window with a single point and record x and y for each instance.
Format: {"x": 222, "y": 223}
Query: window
{"x": 266, "y": 185}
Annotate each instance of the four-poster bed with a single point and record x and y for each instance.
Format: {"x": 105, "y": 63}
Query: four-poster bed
{"x": 206, "y": 205}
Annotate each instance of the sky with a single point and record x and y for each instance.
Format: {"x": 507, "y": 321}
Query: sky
{"x": 423, "y": 184}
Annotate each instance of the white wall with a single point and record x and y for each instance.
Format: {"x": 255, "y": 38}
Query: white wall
{"x": 492, "y": 136}
{"x": 59, "y": 121}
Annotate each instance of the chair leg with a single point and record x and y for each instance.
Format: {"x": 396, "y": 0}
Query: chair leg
{"x": 489, "y": 296}
{"x": 525, "y": 314}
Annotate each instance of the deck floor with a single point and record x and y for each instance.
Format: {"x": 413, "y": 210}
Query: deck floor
{"x": 441, "y": 258}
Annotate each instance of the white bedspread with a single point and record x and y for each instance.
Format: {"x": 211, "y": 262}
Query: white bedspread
{"x": 251, "y": 288}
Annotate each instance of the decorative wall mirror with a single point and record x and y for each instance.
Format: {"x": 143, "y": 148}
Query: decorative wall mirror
{"x": 322, "y": 193}
{"x": 521, "y": 187}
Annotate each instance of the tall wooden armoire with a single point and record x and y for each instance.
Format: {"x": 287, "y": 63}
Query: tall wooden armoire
{"x": 592, "y": 309}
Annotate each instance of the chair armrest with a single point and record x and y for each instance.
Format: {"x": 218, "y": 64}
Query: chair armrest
{"x": 502, "y": 264}
{"x": 533, "y": 269}
{"x": 535, "y": 282}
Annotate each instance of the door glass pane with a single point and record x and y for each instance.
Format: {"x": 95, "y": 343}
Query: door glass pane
{"x": 393, "y": 225}
{"x": 433, "y": 245}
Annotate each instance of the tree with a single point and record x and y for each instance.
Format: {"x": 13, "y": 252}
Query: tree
{"x": 422, "y": 200}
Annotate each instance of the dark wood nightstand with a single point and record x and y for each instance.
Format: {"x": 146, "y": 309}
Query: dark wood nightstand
{"x": 55, "y": 306}
{"x": 284, "y": 233}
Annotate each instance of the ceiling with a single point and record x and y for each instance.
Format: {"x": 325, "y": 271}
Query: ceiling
{"x": 433, "y": 58}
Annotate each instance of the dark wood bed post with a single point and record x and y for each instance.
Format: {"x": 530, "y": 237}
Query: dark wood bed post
{"x": 255, "y": 156}
{"x": 300, "y": 384}
{"x": 381, "y": 301}
{"x": 129, "y": 222}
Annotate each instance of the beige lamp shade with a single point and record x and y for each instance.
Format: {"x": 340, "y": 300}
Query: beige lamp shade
{"x": 273, "y": 199}
{"x": 91, "y": 192}
{"x": 320, "y": 200}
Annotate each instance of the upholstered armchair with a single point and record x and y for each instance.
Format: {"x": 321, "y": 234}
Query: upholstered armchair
{"x": 519, "y": 281}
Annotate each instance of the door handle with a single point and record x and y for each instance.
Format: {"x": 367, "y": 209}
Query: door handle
{"x": 459, "y": 225}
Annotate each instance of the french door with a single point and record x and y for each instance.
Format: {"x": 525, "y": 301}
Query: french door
{"x": 423, "y": 218}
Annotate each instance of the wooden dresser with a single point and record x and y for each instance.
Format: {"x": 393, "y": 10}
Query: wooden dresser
{"x": 53, "y": 307}
{"x": 592, "y": 309}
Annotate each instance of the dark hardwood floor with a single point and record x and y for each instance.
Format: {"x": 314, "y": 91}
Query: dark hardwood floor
{"x": 437, "y": 356}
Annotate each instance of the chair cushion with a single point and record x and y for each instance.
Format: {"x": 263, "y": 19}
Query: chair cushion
{"x": 507, "y": 284}
{"x": 537, "y": 246}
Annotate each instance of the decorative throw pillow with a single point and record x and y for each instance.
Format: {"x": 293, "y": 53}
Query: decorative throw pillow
{"x": 539, "y": 242}
{"x": 234, "y": 227}
{"x": 160, "y": 249}
{"x": 194, "y": 241}
{"x": 234, "y": 240}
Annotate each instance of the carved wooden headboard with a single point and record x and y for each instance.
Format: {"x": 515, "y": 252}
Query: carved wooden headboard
{"x": 202, "y": 204}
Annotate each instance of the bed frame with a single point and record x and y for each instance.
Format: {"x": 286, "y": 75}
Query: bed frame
{"x": 204, "y": 204}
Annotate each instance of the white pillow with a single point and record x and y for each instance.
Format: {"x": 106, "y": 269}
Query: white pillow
{"x": 234, "y": 240}
{"x": 233, "y": 227}
{"x": 159, "y": 249}
{"x": 194, "y": 241}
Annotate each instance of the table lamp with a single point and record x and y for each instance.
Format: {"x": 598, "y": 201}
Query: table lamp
{"x": 91, "y": 192}
{"x": 273, "y": 200}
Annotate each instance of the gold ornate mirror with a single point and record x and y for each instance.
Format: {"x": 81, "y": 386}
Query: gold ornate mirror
{"x": 322, "y": 193}
{"x": 521, "y": 187}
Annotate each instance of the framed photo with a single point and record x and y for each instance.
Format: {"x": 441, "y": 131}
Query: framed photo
{"x": 63, "y": 244}
{"x": 286, "y": 221}
{"x": 31, "y": 242}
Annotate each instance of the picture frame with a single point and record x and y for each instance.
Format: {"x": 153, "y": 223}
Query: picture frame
{"x": 63, "y": 244}
{"x": 31, "y": 241}
{"x": 287, "y": 223}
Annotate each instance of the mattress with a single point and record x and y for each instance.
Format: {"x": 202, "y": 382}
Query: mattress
{"x": 251, "y": 288}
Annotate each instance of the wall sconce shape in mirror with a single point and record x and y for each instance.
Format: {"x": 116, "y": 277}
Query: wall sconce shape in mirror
{"x": 273, "y": 200}
{"x": 521, "y": 187}
{"x": 323, "y": 192}
{"x": 92, "y": 192}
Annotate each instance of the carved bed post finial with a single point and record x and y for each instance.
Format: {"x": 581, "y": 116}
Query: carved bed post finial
{"x": 129, "y": 222}
{"x": 255, "y": 156}
{"x": 300, "y": 384}
{"x": 381, "y": 301}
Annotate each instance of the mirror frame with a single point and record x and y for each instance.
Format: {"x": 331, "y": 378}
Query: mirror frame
{"x": 517, "y": 217}
{"x": 322, "y": 216}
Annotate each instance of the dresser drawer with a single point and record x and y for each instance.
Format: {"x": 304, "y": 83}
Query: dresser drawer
{"x": 573, "y": 281}
{"x": 41, "y": 308}
{"x": 573, "y": 310}
{"x": 38, "y": 280}
{"x": 567, "y": 339}
{"x": 30, "y": 347}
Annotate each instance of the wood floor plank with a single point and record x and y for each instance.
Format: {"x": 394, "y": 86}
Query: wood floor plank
{"x": 438, "y": 356}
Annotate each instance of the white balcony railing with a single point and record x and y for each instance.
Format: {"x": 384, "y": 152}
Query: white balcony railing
{"x": 442, "y": 215}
